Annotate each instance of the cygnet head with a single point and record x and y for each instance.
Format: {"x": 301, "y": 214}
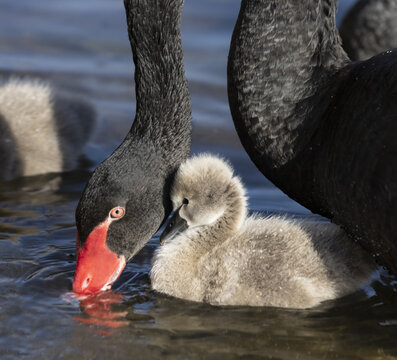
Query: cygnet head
{"x": 204, "y": 192}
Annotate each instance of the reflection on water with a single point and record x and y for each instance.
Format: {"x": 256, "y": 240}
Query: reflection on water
{"x": 83, "y": 48}
{"x": 98, "y": 310}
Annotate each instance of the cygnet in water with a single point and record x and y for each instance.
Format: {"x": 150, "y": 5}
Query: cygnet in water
{"x": 40, "y": 131}
{"x": 212, "y": 252}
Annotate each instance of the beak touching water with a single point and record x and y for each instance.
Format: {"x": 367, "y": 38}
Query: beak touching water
{"x": 175, "y": 226}
{"x": 97, "y": 266}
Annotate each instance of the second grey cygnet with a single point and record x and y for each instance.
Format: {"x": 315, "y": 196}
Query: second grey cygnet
{"x": 41, "y": 131}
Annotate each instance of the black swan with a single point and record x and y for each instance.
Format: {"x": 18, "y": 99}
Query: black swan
{"x": 127, "y": 197}
{"x": 212, "y": 252}
{"x": 369, "y": 28}
{"x": 321, "y": 128}
{"x": 41, "y": 131}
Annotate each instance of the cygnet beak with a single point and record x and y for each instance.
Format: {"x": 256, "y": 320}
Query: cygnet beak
{"x": 175, "y": 226}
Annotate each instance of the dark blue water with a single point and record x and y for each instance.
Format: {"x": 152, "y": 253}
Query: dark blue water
{"x": 82, "y": 47}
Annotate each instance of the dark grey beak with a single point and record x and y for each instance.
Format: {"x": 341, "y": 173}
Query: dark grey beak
{"x": 175, "y": 226}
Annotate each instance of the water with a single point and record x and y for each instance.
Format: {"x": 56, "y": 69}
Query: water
{"x": 83, "y": 48}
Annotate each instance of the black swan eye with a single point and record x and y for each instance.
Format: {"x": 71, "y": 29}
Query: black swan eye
{"x": 185, "y": 201}
{"x": 117, "y": 212}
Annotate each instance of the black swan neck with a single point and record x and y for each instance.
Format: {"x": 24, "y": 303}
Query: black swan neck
{"x": 162, "y": 101}
{"x": 281, "y": 53}
{"x": 139, "y": 173}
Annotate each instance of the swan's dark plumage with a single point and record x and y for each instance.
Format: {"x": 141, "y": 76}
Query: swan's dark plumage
{"x": 369, "y": 28}
{"x": 321, "y": 128}
{"x": 137, "y": 175}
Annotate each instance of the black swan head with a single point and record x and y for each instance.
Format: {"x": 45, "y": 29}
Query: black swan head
{"x": 127, "y": 198}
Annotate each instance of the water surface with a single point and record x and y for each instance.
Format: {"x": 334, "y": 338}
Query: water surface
{"x": 82, "y": 47}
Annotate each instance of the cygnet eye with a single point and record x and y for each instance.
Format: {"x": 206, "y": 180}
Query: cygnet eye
{"x": 117, "y": 212}
{"x": 185, "y": 201}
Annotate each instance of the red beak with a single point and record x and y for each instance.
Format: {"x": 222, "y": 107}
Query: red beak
{"x": 97, "y": 267}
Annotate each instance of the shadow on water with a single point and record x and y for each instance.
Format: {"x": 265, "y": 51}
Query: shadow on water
{"x": 83, "y": 48}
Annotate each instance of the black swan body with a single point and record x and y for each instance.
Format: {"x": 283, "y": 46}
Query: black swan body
{"x": 127, "y": 197}
{"x": 369, "y": 28}
{"x": 41, "y": 131}
{"x": 321, "y": 128}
